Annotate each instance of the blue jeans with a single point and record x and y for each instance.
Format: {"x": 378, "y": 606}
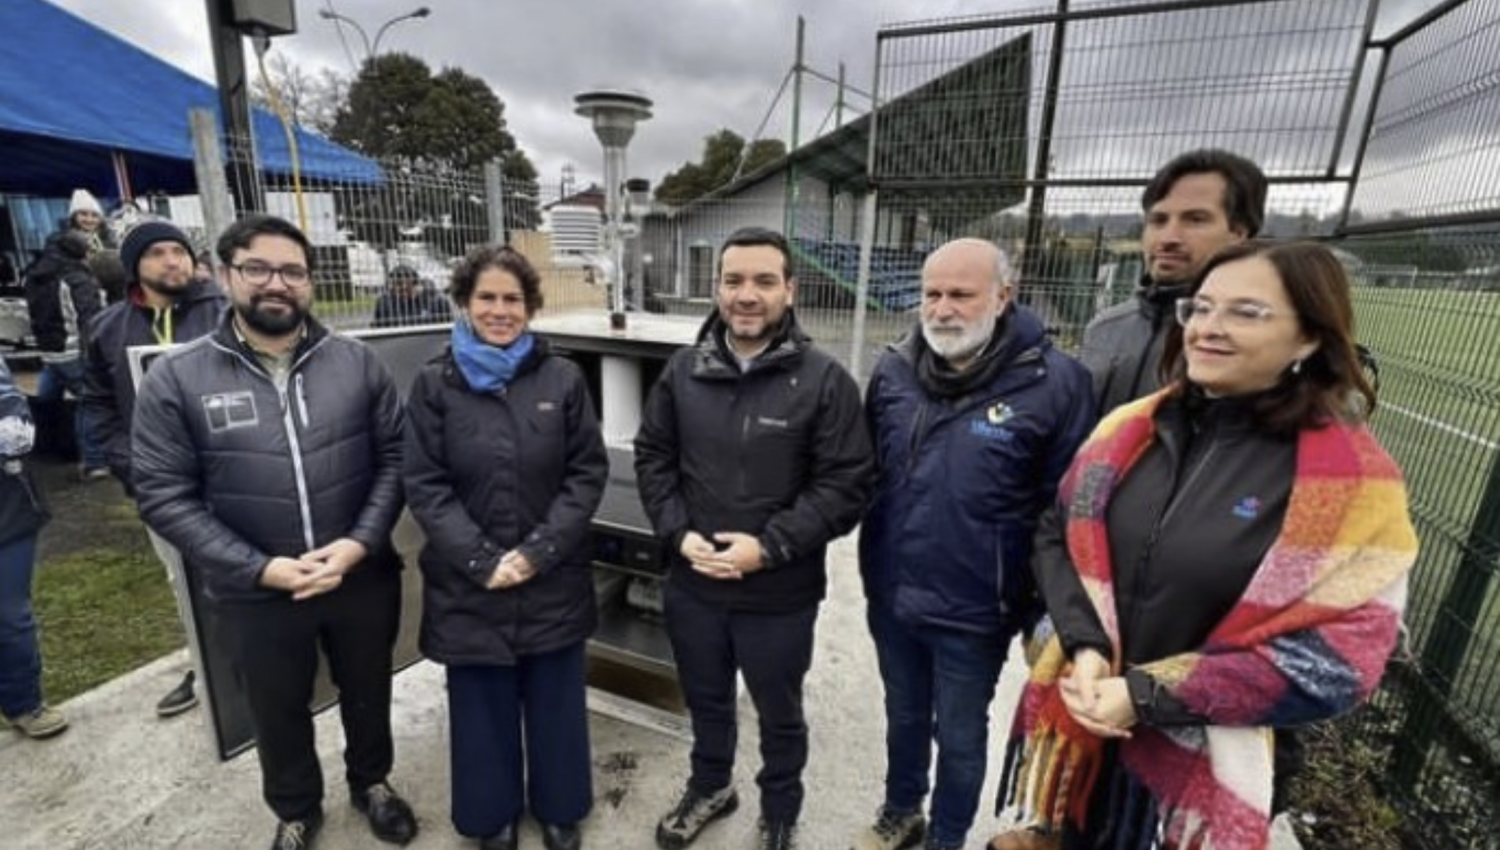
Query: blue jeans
{"x": 938, "y": 686}
{"x": 20, "y": 660}
{"x": 68, "y": 375}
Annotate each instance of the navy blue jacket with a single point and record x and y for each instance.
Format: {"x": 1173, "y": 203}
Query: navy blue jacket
{"x": 964, "y": 478}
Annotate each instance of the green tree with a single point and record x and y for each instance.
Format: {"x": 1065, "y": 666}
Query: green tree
{"x": 719, "y": 165}
{"x": 400, "y": 113}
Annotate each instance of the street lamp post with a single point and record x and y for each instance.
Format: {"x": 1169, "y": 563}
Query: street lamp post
{"x": 372, "y": 49}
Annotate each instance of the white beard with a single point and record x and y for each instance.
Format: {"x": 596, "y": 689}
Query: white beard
{"x": 969, "y": 340}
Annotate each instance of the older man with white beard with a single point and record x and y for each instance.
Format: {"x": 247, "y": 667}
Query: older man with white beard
{"x": 976, "y": 417}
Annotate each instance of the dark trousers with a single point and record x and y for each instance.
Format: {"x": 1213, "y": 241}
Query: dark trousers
{"x": 938, "y": 687}
{"x": 773, "y": 651}
{"x": 275, "y": 649}
{"x": 520, "y": 736}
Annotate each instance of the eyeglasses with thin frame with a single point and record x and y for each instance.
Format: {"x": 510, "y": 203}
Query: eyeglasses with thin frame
{"x": 1235, "y": 315}
{"x": 257, "y": 273}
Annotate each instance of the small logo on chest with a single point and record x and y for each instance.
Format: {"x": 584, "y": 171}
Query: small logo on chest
{"x": 1247, "y": 508}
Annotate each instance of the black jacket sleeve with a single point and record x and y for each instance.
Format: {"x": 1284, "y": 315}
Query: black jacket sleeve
{"x": 568, "y": 515}
{"x": 657, "y": 472}
{"x": 454, "y": 536}
{"x": 387, "y": 422}
{"x": 840, "y": 482}
{"x": 101, "y": 409}
{"x": 169, "y": 490}
{"x": 1073, "y": 616}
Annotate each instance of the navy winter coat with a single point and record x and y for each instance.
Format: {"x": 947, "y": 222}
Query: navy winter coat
{"x": 963, "y": 480}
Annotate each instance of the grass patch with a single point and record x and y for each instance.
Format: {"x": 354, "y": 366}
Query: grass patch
{"x": 1337, "y": 803}
{"x": 102, "y": 613}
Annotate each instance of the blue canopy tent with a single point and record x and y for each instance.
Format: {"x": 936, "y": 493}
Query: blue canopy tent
{"x": 80, "y": 107}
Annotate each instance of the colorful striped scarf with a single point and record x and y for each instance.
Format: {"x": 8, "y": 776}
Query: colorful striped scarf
{"x": 1308, "y": 640}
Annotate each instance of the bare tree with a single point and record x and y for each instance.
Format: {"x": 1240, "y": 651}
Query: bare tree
{"x": 311, "y": 100}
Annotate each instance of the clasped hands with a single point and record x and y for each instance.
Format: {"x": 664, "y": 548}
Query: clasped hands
{"x": 1098, "y": 701}
{"x": 514, "y": 569}
{"x": 737, "y": 554}
{"x": 316, "y": 572}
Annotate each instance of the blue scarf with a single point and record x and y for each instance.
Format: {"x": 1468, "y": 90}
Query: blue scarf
{"x": 487, "y": 368}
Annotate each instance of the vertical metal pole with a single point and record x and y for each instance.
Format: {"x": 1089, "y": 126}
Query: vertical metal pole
{"x": 1036, "y": 211}
{"x": 1364, "y": 140}
{"x": 1356, "y": 76}
{"x": 869, "y": 210}
{"x": 789, "y": 218}
{"x": 234, "y": 103}
{"x": 208, "y": 171}
{"x": 838, "y": 105}
{"x": 494, "y": 201}
{"x": 614, "y": 170}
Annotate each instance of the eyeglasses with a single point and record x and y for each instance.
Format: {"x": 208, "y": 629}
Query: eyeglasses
{"x": 257, "y": 273}
{"x": 1236, "y": 315}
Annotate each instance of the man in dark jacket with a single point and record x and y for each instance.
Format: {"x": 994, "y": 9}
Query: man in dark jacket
{"x": 269, "y": 454}
{"x": 976, "y": 417}
{"x": 1196, "y": 205}
{"x": 62, "y": 299}
{"x": 752, "y": 456}
{"x": 162, "y": 306}
{"x": 408, "y": 301}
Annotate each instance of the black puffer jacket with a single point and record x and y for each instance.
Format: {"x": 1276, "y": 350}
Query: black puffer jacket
{"x": 234, "y": 471}
{"x": 62, "y": 296}
{"x": 522, "y": 469}
{"x": 109, "y": 391}
{"x": 781, "y": 452}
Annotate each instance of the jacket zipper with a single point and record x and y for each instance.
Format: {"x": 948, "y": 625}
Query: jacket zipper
{"x": 1173, "y": 501}
{"x": 289, "y": 425}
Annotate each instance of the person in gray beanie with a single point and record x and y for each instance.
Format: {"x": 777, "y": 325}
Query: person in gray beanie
{"x": 163, "y": 305}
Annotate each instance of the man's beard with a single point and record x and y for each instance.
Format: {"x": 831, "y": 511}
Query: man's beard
{"x": 166, "y": 287}
{"x": 271, "y": 323}
{"x": 960, "y": 346}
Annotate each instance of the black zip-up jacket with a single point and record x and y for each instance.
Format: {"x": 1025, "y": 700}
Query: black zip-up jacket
{"x": 62, "y": 296}
{"x": 109, "y": 392}
{"x": 1122, "y": 346}
{"x": 486, "y": 473}
{"x": 781, "y": 452}
{"x": 234, "y": 471}
{"x": 1187, "y": 528}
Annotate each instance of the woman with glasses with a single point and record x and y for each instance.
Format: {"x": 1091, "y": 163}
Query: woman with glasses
{"x": 1228, "y": 557}
{"x": 504, "y": 467}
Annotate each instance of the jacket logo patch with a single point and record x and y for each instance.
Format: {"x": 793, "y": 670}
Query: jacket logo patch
{"x": 983, "y": 429}
{"x": 1247, "y": 508}
{"x": 998, "y": 413}
{"x": 227, "y": 411}
{"x": 768, "y": 422}
{"x": 546, "y": 406}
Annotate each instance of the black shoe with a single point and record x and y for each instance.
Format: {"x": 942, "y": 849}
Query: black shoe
{"x": 391, "y": 819}
{"x": 562, "y": 836}
{"x": 297, "y": 834}
{"x": 179, "y": 699}
{"x": 505, "y": 839}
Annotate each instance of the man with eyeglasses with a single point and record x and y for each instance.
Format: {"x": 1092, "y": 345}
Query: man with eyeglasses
{"x": 162, "y": 305}
{"x": 269, "y": 454}
{"x": 1198, "y": 204}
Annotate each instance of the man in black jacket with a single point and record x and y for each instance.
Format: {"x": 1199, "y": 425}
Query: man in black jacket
{"x": 753, "y": 454}
{"x": 162, "y": 305}
{"x": 1198, "y": 204}
{"x": 62, "y": 299}
{"x": 269, "y": 454}
{"x": 408, "y": 301}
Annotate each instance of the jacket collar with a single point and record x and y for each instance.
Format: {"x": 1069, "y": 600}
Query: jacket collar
{"x": 713, "y": 359}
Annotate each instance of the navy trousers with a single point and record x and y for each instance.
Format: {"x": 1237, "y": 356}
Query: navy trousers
{"x": 519, "y": 738}
{"x": 773, "y": 652}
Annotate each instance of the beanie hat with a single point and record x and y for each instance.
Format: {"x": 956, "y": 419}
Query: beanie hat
{"x": 83, "y": 200}
{"x": 143, "y": 236}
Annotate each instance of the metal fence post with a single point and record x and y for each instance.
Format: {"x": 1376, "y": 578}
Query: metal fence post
{"x": 494, "y": 197}
{"x": 208, "y": 171}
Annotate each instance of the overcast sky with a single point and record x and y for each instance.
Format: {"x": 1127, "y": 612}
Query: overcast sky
{"x": 707, "y": 64}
